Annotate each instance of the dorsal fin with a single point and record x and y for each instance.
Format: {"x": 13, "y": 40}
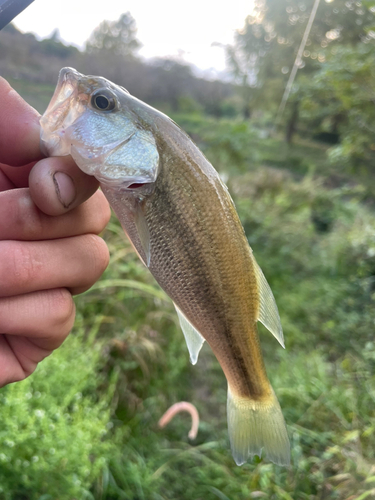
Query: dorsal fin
{"x": 194, "y": 339}
{"x": 268, "y": 312}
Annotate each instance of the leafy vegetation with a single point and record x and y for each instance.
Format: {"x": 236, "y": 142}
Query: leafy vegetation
{"x": 54, "y": 425}
{"x": 126, "y": 361}
{"x": 84, "y": 426}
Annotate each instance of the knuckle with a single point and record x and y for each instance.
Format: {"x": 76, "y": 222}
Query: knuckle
{"x": 102, "y": 212}
{"x": 22, "y": 220}
{"x": 4, "y": 85}
{"x": 106, "y": 210}
{"x": 28, "y": 218}
{"x": 62, "y": 312}
{"x": 16, "y": 375}
{"x": 99, "y": 254}
{"x": 19, "y": 375}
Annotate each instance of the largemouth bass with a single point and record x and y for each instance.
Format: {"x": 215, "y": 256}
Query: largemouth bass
{"x": 182, "y": 222}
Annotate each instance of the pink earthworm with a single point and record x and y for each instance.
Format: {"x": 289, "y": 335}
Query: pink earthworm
{"x": 176, "y": 408}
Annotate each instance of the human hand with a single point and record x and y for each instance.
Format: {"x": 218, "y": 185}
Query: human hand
{"x": 49, "y": 248}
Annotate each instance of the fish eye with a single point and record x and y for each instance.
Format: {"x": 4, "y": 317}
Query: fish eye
{"x": 102, "y": 100}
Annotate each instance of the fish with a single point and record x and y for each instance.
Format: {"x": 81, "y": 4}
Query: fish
{"x": 182, "y": 223}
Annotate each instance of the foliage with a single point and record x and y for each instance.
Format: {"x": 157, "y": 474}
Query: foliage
{"x": 127, "y": 362}
{"x": 264, "y": 50}
{"x": 54, "y": 424}
{"x": 115, "y": 37}
{"x": 112, "y": 52}
{"x": 313, "y": 249}
{"x": 53, "y": 47}
{"x": 310, "y": 221}
{"x": 341, "y": 97}
{"x": 23, "y": 57}
{"x": 236, "y": 146}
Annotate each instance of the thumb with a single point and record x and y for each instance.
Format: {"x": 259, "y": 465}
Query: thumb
{"x": 57, "y": 185}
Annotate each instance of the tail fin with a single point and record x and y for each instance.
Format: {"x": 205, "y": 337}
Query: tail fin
{"x": 254, "y": 425}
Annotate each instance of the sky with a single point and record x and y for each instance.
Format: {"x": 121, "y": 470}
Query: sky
{"x": 165, "y": 27}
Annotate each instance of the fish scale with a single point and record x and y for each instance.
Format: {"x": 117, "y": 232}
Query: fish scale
{"x": 236, "y": 347}
{"x": 183, "y": 224}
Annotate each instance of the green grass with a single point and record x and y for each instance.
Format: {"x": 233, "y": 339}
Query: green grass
{"x": 126, "y": 361}
{"x": 36, "y": 94}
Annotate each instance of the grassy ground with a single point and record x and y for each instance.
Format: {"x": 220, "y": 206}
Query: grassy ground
{"x": 36, "y": 94}
{"x": 85, "y": 425}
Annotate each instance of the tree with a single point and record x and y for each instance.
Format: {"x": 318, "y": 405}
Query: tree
{"x": 53, "y": 46}
{"x": 264, "y": 50}
{"x": 115, "y": 37}
{"x": 341, "y": 96}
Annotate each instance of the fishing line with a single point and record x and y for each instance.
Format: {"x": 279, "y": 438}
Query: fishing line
{"x": 297, "y": 62}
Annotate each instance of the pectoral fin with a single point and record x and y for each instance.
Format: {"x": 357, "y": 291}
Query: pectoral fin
{"x": 143, "y": 232}
{"x": 194, "y": 339}
{"x": 268, "y": 312}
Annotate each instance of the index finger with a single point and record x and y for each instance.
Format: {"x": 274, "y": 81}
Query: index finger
{"x": 19, "y": 128}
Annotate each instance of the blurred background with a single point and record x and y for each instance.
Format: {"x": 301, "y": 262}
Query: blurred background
{"x": 301, "y": 170}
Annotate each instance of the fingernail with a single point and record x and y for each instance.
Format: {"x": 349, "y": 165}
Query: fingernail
{"x": 65, "y": 189}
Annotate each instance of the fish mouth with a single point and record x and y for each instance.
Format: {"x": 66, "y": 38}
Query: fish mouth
{"x": 66, "y": 84}
{"x": 62, "y": 111}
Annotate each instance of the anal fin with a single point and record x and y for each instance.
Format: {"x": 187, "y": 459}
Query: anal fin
{"x": 193, "y": 338}
{"x": 268, "y": 312}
